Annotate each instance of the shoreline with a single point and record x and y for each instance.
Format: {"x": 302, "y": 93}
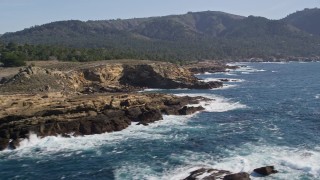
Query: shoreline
{"x": 92, "y": 100}
{"x": 186, "y": 174}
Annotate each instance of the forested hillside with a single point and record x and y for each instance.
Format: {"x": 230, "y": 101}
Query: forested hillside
{"x": 307, "y": 20}
{"x": 192, "y": 36}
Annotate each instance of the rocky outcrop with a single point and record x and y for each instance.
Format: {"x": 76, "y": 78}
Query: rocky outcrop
{"x": 215, "y": 174}
{"x": 54, "y": 113}
{"x": 207, "y": 174}
{"x": 165, "y": 76}
{"x": 265, "y": 171}
{"x": 186, "y": 110}
{"x": 237, "y": 176}
{"x": 91, "y": 99}
{"x": 108, "y": 77}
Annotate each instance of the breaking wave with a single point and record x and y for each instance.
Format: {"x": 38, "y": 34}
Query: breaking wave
{"x": 217, "y": 103}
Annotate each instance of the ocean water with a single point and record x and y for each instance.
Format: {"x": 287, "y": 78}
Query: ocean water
{"x": 268, "y": 115}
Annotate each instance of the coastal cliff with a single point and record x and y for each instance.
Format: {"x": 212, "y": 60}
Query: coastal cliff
{"x": 104, "y": 77}
{"x": 92, "y": 99}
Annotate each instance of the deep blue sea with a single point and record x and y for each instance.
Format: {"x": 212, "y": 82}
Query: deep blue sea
{"x": 269, "y": 115}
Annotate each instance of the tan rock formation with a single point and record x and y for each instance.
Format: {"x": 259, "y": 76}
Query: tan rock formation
{"x": 113, "y": 77}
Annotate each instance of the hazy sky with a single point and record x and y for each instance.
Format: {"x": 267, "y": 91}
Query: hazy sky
{"x": 19, "y": 14}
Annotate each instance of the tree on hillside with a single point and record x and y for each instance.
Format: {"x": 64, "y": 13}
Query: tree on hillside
{"x": 12, "y": 59}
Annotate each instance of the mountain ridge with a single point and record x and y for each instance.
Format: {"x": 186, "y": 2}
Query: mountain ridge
{"x": 306, "y": 20}
{"x": 198, "y": 35}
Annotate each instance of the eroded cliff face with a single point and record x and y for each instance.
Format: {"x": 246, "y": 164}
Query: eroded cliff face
{"x": 113, "y": 77}
{"x": 128, "y": 77}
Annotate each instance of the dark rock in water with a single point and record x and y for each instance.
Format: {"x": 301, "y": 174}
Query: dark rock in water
{"x": 207, "y": 85}
{"x": 194, "y": 174}
{"x": 237, "y": 176}
{"x": 224, "y": 80}
{"x": 210, "y": 174}
{"x": 190, "y": 110}
{"x": 265, "y": 171}
{"x": 143, "y": 123}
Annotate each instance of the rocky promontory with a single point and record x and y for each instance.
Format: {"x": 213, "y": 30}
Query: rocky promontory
{"x": 94, "y": 98}
{"x": 104, "y": 77}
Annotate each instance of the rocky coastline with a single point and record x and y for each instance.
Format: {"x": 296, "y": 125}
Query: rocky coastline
{"x": 57, "y": 114}
{"x": 91, "y": 99}
{"x": 102, "y": 98}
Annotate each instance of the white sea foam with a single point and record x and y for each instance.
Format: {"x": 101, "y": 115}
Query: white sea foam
{"x": 317, "y": 96}
{"x": 148, "y": 90}
{"x": 228, "y": 73}
{"x": 207, "y": 73}
{"x": 139, "y": 171}
{"x": 225, "y": 86}
{"x": 219, "y": 79}
{"x": 249, "y": 69}
{"x": 217, "y": 104}
{"x": 292, "y": 163}
{"x": 155, "y": 90}
{"x": 237, "y": 64}
{"x": 280, "y": 62}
